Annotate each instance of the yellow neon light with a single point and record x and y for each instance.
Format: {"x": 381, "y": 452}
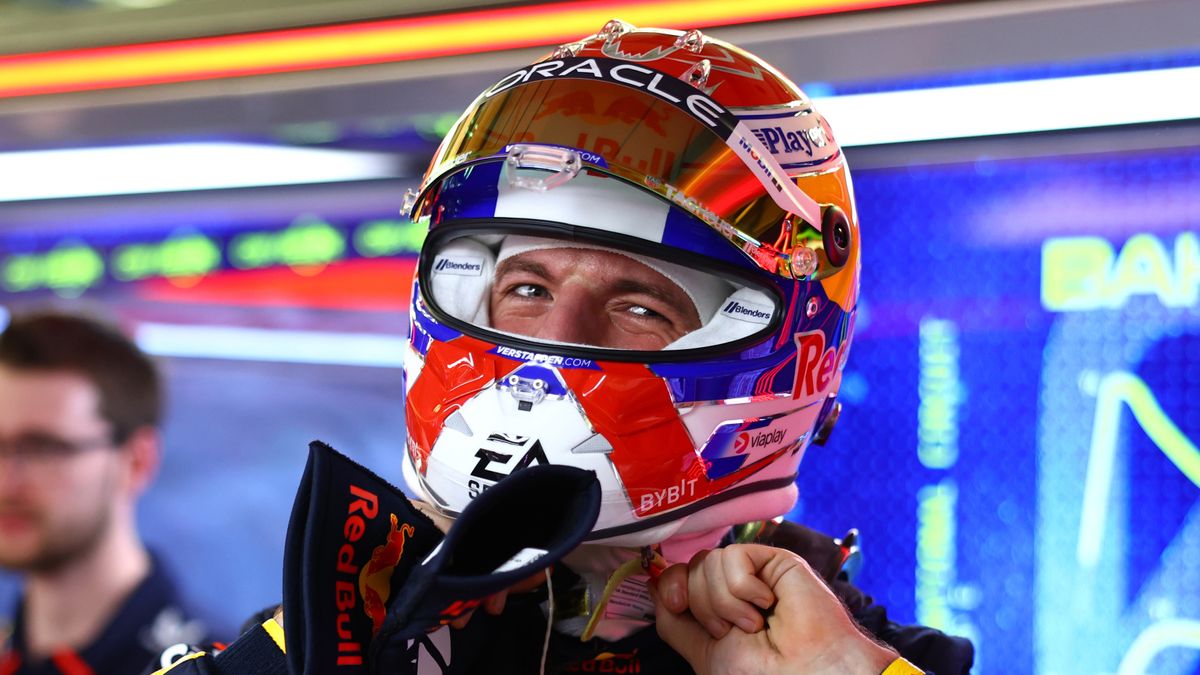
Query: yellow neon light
{"x": 1115, "y": 389}
{"x": 379, "y": 42}
{"x": 1088, "y": 273}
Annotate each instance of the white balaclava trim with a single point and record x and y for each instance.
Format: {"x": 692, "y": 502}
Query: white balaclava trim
{"x": 461, "y": 280}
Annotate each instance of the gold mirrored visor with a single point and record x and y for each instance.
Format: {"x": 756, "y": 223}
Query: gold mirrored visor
{"x": 646, "y": 127}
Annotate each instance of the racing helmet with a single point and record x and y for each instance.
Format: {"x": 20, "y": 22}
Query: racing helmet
{"x": 663, "y": 164}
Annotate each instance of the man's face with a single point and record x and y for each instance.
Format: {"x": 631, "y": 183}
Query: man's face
{"x": 590, "y": 297}
{"x": 59, "y": 474}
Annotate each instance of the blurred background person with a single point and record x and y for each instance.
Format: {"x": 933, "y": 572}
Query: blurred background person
{"x": 80, "y": 407}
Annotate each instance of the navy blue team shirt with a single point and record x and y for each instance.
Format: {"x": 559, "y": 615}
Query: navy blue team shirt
{"x": 151, "y": 619}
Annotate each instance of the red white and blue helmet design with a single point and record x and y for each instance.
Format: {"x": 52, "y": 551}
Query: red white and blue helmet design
{"x": 699, "y": 161}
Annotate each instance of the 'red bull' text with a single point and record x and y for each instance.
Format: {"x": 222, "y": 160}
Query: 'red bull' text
{"x": 363, "y": 506}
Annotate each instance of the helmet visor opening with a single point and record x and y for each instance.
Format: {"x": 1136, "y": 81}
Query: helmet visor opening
{"x": 510, "y": 286}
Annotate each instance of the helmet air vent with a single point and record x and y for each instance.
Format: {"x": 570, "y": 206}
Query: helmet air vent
{"x": 697, "y": 75}
{"x": 593, "y": 444}
{"x": 804, "y": 262}
{"x": 527, "y": 390}
{"x": 410, "y": 200}
{"x": 458, "y": 423}
{"x": 693, "y": 41}
{"x": 614, "y": 29}
{"x": 552, "y": 166}
{"x": 567, "y": 50}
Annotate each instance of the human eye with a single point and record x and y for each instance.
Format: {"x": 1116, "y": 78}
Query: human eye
{"x": 528, "y": 291}
{"x": 643, "y": 312}
{"x": 42, "y": 447}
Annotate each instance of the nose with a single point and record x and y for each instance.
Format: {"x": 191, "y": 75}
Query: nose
{"x": 573, "y": 318}
{"x": 13, "y": 469}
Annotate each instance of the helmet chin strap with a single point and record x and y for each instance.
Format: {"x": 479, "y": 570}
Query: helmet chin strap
{"x": 649, "y": 562}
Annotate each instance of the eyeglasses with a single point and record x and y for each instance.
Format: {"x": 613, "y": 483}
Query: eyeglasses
{"x": 46, "y": 449}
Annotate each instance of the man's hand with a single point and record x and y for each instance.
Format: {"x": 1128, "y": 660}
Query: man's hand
{"x": 713, "y": 611}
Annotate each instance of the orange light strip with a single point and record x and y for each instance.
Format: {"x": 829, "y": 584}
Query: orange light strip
{"x": 382, "y": 41}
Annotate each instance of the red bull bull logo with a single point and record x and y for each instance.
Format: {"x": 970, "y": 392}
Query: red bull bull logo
{"x": 609, "y": 662}
{"x": 375, "y": 579}
{"x": 457, "y": 609}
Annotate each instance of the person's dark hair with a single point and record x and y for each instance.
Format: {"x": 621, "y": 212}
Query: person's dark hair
{"x": 127, "y": 380}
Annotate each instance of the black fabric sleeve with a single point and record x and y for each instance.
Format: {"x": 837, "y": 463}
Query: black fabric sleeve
{"x": 259, "y": 617}
{"x": 927, "y": 648}
{"x": 254, "y": 652}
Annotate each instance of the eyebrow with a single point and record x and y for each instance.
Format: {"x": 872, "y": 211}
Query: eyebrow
{"x": 519, "y": 265}
{"x": 630, "y": 286}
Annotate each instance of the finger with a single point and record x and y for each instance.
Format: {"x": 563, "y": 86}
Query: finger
{"x": 529, "y": 584}
{"x": 793, "y": 582}
{"x": 672, "y": 587}
{"x": 494, "y": 604}
{"x": 681, "y": 631}
{"x": 461, "y": 622}
{"x": 724, "y": 603}
{"x": 702, "y": 591}
{"x": 741, "y": 577}
{"x": 442, "y": 522}
{"x": 772, "y": 564}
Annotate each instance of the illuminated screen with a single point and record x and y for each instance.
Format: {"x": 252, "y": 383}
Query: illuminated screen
{"x": 1016, "y": 446}
{"x": 1020, "y": 407}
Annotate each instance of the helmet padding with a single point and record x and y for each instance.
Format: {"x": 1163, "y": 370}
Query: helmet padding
{"x": 461, "y": 280}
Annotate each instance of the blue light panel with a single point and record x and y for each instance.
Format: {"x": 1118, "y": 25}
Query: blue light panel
{"x": 1024, "y": 475}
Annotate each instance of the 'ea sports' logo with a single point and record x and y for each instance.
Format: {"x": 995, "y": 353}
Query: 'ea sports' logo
{"x": 815, "y": 365}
